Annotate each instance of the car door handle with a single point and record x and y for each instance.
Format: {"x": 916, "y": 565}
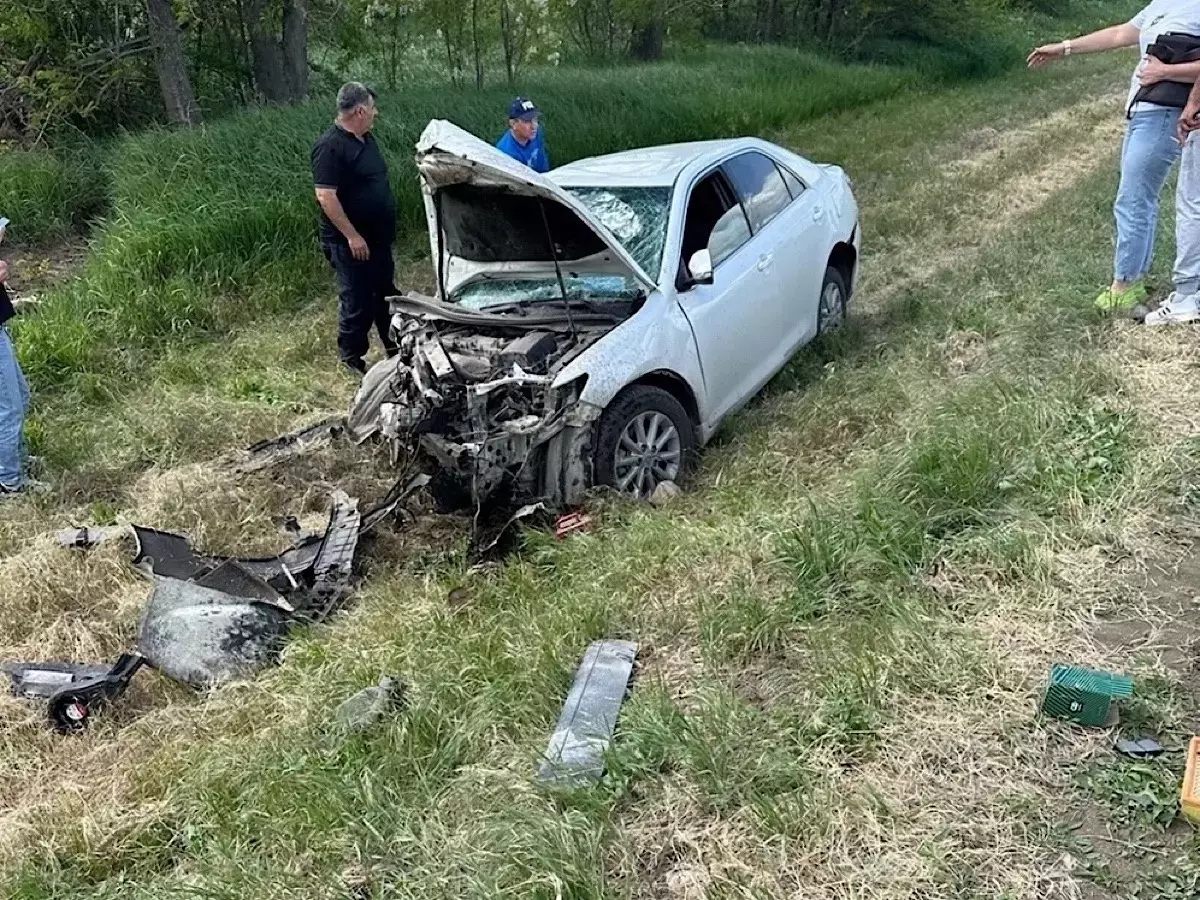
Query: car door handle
{"x": 764, "y": 261}
{"x": 818, "y": 213}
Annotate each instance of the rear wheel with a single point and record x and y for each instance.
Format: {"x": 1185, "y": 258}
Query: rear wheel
{"x": 644, "y": 438}
{"x": 831, "y": 313}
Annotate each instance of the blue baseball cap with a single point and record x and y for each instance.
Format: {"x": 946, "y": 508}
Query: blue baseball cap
{"x": 523, "y": 109}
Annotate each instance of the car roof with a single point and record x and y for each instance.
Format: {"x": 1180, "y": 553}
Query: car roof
{"x": 649, "y": 166}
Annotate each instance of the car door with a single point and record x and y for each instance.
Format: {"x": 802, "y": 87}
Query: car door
{"x": 734, "y": 319}
{"x": 788, "y": 224}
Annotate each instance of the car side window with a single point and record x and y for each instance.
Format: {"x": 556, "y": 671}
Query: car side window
{"x": 715, "y": 221}
{"x": 796, "y": 187}
{"x": 761, "y": 188}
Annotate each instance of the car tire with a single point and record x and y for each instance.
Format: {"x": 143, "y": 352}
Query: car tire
{"x": 831, "y": 304}
{"x": 644, "y": 437}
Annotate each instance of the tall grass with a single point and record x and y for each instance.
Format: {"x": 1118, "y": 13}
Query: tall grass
{"x": 48, "y": 194}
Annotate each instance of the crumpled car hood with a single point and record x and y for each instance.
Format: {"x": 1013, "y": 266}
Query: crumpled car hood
{"x": 489, "y": 215}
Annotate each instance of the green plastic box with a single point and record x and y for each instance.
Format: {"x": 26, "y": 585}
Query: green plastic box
{"x": 1084, "y": 696}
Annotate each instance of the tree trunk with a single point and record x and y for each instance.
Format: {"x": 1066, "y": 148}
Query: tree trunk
{"x": 280, "y": 66}
{"x": 647, "y": 43}
{"x": 169, "y": 61}
{"x": 395, "y": 48}
{"x": 475, "y": 43}
{"x": 295, "y": 48}
{"x": 507, "y": 40}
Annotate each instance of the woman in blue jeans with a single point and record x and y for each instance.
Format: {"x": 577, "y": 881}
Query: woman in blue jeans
{"x": 1150, "y": 147}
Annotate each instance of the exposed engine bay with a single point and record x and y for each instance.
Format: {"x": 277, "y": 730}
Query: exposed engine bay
{"x": 471, "y": 392}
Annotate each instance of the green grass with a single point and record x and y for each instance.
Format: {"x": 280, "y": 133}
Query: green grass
{"x": 843, "y": 622}
{"x": 50, "y": 195}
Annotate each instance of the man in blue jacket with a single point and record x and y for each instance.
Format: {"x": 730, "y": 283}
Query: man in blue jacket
{"x": 523, "y": 140}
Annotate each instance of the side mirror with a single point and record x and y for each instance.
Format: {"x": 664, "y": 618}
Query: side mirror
{"x": 700, "y": 267}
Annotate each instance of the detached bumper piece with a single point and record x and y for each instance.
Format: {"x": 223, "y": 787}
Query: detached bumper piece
{"x": 211, "y": 619}
{"x": 575, "y": 757}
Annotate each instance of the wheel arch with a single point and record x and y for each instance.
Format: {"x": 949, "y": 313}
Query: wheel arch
{"x": 675, "y": 385}
{"x": 844, "y": 258}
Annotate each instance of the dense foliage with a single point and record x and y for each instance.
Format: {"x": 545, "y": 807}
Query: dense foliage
{"x": 102, "y": 65}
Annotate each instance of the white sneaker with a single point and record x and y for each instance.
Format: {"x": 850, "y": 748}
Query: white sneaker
{"x": 1177, "y": 310}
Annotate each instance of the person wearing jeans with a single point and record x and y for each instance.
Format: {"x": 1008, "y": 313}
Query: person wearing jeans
{"x": 1183, "y": 306}
{"x": 14, "y": 399}
{"x": 1150, "y": 148}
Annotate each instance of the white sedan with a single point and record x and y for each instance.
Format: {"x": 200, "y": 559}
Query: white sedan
{"x": 595, "y": 325}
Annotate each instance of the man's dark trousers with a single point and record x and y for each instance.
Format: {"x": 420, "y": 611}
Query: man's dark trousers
{"x": 362, "y": 286}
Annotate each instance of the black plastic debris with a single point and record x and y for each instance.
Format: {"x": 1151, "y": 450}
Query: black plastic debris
{"x": 391, "y": 503}
{"x": 575, "y": 757}
{"x": 72, "y": 707}
{"x": 490, "y": 538}
{"x": 211, "y": 618}
{"x": 38, "y": 681}
{"x": 73, "y": 693}
{"x": 169, "y": 555}
{"x": 1145, "y": 748}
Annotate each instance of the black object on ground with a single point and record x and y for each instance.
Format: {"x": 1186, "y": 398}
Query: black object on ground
{"x": 210, "y": 619}
{"x": 71, "y": 707}
{"x": 1145, "y": 748}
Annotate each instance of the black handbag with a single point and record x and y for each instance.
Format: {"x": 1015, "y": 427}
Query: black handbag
{"x": 1172, "y": 48}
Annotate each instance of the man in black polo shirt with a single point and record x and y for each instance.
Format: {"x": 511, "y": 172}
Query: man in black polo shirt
{"x": 358, "y": 223}
{"x": 14, "y": 399}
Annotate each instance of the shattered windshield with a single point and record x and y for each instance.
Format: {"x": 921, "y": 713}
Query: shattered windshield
{"x": 637, "y": 217}
{"x": 588, "y": 288}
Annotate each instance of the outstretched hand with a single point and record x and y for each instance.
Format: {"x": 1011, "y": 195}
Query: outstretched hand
{"x": 1045, "y": 54}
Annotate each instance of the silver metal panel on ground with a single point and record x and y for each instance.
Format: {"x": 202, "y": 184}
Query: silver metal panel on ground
{"x": 575, "y": 757}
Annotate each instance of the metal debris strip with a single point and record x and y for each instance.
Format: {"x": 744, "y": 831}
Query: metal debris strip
{"x": 273, "y": 451}
{"x": 575, "y": 757}
{"x": 334, "y": 563}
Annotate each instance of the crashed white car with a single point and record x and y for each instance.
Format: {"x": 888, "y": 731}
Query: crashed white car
{"x": 595, "y": 325}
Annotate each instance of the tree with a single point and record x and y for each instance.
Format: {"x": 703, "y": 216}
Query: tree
{"x": 279, "y": 53}
{"x": 171, "y": 64}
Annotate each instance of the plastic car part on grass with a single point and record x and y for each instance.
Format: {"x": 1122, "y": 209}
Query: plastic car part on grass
{"x": 575, "y": 757}
{"x": 210, "y": 619}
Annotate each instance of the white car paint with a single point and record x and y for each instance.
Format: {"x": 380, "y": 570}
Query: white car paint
{"x": 724, "y": 341}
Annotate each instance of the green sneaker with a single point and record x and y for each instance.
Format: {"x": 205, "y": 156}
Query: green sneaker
{"x": 1126, "y": 299}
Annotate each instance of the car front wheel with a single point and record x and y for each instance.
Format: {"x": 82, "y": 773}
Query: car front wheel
{"x": 831, "y": 314}
{"x": 644, "y": 438}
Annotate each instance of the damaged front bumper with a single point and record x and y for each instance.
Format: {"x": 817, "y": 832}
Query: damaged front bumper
{"x": 478, "y": 403}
